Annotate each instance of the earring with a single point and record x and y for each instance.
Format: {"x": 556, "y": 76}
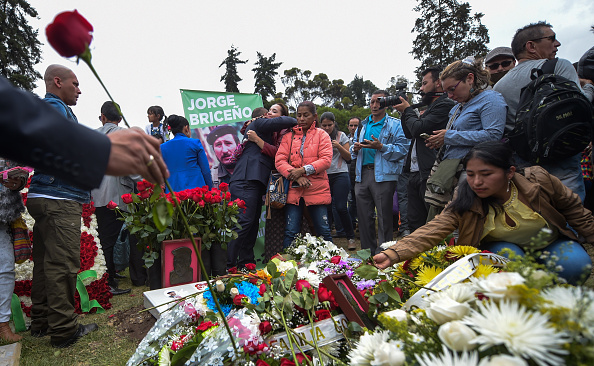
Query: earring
{"x": 471, "y": 90}
{"x": 508, "y": 185}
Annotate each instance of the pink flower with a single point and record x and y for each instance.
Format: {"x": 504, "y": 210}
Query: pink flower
{"x": 336, "y": 259}
{"x": 301, "y": 284}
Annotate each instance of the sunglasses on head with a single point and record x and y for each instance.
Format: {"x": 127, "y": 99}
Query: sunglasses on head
{"x": 495, "y": 66}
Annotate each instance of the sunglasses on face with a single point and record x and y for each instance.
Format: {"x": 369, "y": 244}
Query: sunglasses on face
{"x": 495, "y": 66}
{"x": 552, "y": 38}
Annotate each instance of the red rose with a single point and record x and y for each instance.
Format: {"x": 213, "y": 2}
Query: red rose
{"x": 265, "y": 327}
{"x": 262, "y": 289}
{"x": 238, "y": 300}
{"x": 224, "y": 187}
{"x": 399, "y": 290}
{"x": 232, "y": 270}
{"x": 324, "y": 294}
{"x": 227, "y": 196}
{"x": 145, "y": 195}
{"x": 182, "y": 196}
{"x": 69, "y": 34}
{"x": 262, "y": 363}
{"x": 141, "y": 185}
{"x": 254, "y": 280}
{"x": 206, "y": 325}
{"x": 301, "y": 284}
{"x": 336, "y": 259}
{"x": 250, "y": 266}
{"x": 323, "y": 314}
{"x": 112, "y": 205}
{"x": 127, "y": 198}
{"x": 240, "y": 203}
{"x": 286, "y": 362}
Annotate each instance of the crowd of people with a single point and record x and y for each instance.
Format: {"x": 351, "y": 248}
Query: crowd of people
{"x": 443, "y": 167}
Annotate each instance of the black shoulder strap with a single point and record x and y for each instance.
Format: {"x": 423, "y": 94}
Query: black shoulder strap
{"x": 549, "y": 66}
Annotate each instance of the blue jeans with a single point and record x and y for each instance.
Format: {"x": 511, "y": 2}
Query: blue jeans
{"x": 339, "y": 189}
{"x": 6, "y": 272}
{"x": 574, "y": 260}
{"x": 294, "y": 216}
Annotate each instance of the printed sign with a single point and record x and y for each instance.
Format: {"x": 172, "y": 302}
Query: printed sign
{"x": 206, "y": 108}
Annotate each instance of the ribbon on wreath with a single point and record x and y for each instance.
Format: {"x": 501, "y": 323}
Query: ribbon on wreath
{"x": 85, "y": 304}
{"x": 17, "y": 314}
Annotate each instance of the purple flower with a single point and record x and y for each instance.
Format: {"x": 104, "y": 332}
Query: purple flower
{"x": 365, "y": 284}
{"x": 350, "y": 273}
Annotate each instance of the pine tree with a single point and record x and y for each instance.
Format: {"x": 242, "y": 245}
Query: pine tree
{"x": 20, "y": 50}
{"x": 231, "y": 78}
{"x": 446, "y": 32}
{"x": 264, "y": 74}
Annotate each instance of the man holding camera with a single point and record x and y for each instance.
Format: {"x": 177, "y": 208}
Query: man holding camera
{"x": 417, "y": 127}
{"x": 379, "y": 149}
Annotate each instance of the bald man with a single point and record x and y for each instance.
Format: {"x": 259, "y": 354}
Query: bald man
{"x": 56, "y": 206}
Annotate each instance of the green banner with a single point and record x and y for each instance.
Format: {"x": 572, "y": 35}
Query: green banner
{"x": 206, "y": 108}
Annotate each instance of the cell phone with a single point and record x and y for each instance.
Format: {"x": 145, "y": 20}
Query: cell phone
{"x": 424, "y": 136}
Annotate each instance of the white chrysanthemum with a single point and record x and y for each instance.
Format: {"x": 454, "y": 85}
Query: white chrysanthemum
{"x": 578, "y": 302}
{"x": 496, "y": 285}
{"x": 388, "y": 244}
{"x": 524, "y": 333}
{"x": 448, "y": 359}
{"x": 362, "y": 353}
{"x": 283, "y": 267}
{"x": 388, "y": 354}
{"x": 461, "y": 292}
{"x": 503, "y": 360}
{"x": 304, "y": 273}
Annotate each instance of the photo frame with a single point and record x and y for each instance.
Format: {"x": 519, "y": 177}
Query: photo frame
{"x": 179, "y": 264}
{"x": 349, "y": 299}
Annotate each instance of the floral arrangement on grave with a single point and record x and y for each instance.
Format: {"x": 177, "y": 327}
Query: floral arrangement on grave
{"x": 151, "y": 217}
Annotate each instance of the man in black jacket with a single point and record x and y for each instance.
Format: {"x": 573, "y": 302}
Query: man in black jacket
{"x": 420, "y": 158}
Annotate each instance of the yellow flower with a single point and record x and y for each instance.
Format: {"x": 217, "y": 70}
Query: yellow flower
{"x": 426, "y": 274}
{"x": 417, "y": 262}
{"x": 459, "y": 251}
{"x": 484, "y": 270}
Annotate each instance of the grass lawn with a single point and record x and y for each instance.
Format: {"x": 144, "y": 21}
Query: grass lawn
{"x": 111, "y": 345}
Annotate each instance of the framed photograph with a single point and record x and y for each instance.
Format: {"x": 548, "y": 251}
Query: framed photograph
{"x": 349, "y": 299}
{"x": 179, "y": 264}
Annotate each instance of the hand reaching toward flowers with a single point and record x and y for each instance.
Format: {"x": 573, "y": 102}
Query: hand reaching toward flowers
{"x": 382, "y": 261}
{"x": 131, "y": 152}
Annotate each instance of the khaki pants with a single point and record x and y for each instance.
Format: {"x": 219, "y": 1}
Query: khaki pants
{"x": 56, "y": 257}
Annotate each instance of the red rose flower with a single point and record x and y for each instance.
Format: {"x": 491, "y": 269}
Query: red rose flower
{"x": 323, "y": 314}
{"x": 240, "y": 203}
{"x": 69, "y": 34}
{"x": 227, "y": 196}
{"x": 399, "y": 290}
{"x": 232, "y": 270}
{"x": 265, "y": 327}
{"x": 301, "y": 284}
{"x": 206, "y": 325}
{"x": 262, "y": 363}
{"x": 112, "y": 205}
{"x": 250, "y": 266}
{"x": 141, "y": 185}
{"x": 224, "y": 187}
{"x": 127, "y": 198}
{"x": 262, "y": 289}
{"x": 238, "y": 299}
{"x": 324, "y": 294}
{"x": 300, "y": 357}
{"x": 182, "y": 196}
{"x": 145, "y": 194}
{"x": 336, "y": 259}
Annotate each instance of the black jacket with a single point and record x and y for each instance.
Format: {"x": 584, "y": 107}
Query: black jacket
{"x": 434, "y": 118}
{"x": 253, "y": 164}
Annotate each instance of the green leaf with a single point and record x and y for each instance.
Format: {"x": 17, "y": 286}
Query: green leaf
{"x": 156, "y": 194}
{"x": 272, "y": 271}
{"x": 290, "y": 278}
{"x": 355, "y": 327}
{"x": 298, "y": 299}
{"x": 367, "y": 272}
{"x": 379, "y": 298}
{"x": 184, "y": 354}
{"x": 389, "y": 290}
{"x": 309, "y": 302}
{"x": 364, "y": 254}
{"x": 161, "y": 214}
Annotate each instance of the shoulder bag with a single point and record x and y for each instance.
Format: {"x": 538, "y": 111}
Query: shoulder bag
{"x": 278, "y": 187}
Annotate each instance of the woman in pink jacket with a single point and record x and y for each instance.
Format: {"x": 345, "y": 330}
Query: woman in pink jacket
{"x": 303, "y": 157}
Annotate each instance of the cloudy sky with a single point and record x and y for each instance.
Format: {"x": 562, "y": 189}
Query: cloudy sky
{"x": 145, "y": 51}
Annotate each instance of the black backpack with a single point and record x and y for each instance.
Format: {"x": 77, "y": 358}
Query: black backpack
{"x": 554, "y": 119}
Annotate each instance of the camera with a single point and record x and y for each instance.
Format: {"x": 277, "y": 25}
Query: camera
{"x": 393, "y": 99}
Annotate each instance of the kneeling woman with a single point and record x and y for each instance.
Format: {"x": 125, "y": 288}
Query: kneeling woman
{"x": 498, "y": 207}
{"x": 303, "y": 157}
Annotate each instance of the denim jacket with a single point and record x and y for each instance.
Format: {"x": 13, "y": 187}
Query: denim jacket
{"x": 389, "y": 161}
{"x": 49, "y": 185}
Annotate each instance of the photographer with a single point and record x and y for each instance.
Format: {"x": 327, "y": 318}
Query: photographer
{"x": 420, "y": 158}
{"x": 379, "y": 149}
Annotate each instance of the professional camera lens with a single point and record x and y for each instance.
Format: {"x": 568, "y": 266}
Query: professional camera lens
{"x": 389, "y": 101}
